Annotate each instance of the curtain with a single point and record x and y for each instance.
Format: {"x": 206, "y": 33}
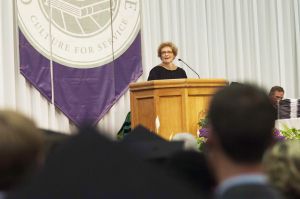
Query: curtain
{"x": 255, "y": 41}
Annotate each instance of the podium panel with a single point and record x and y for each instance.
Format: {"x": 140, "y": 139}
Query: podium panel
{"x": 167, "y": 107}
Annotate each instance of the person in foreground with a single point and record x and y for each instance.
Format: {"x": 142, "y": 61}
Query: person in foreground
{"x": 21, "y": 150}
{"x": 167, "y": 52}
{"x": 88, "y": 165}
{"x": 282, "y": 165}
{"x": 241, "y": 121}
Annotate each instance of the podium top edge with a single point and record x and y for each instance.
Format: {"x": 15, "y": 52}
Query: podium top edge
{"x": 178, "y": 83}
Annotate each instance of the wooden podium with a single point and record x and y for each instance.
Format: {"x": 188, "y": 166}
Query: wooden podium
{"x": 167, "y": 107}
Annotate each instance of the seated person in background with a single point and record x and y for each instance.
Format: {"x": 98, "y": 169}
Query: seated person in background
{"x": 276, "y": 94}
{"x": 167, "y": 52}
{"x": 21, "y": 149}
{"x": 282, "y": 165}
{"x": 241, "y": 122}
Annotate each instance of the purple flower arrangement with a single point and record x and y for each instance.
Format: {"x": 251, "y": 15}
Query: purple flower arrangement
{"x": 277, "y": 134}
{"x": 202, "y": 133}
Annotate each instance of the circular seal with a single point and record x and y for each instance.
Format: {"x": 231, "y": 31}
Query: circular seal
{"x": 80, "y": 33}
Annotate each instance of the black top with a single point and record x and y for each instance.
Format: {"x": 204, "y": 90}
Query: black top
{"x": 159, "y": 72}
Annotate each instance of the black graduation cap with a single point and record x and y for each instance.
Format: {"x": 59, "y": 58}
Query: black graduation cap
{"x": 90, "y": 166}
{"x": 236, "y": 84}
{"x": 149, "y": 145}
{"x": 52, "y": 139}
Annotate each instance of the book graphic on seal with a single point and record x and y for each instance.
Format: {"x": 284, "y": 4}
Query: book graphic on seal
{"x": 81, "y": 8}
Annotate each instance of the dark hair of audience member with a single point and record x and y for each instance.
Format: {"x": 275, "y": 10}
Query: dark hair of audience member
{"x": 243, "y": 118}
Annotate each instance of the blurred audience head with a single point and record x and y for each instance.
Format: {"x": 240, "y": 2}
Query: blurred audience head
{"x": 21, "y": 148}
{"x": 282, "y": 165}
{"x": 89, "y": 165}
{"x": 189, "y": 141}
{"x": 276, "y": 94}
{"x": 241, "y": 121}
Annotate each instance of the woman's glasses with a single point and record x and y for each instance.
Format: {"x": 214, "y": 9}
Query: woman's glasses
{"x": 166, "y": 52}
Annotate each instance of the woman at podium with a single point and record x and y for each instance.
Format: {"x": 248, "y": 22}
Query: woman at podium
{"x": 167, "y": 51}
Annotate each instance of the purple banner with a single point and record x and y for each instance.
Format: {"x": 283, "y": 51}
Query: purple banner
{"x": 35, "y": 67}
{"x": 87, "y": 94}
{"x": 92, "y": 49}
{"x": 84, "y": 95}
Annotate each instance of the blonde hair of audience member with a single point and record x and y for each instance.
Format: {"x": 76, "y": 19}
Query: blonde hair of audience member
{"x": 21, "y": 145}
{"x": 189, "y": 141}
{"x": 282, "y": 165}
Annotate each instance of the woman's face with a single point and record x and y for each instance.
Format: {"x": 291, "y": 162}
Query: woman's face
{"x": 166, "y": 55}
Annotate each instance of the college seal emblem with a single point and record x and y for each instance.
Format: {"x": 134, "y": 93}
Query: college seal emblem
{"x": 80, "y": 33}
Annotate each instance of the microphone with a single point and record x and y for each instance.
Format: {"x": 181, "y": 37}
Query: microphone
{"x": 189, "y": 67}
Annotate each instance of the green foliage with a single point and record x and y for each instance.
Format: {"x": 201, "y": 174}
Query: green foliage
{"x": 200, "y": 142}
{"x": 201, "y": 139}
{"x": 290, "y": 133}
{"x": 203, "y": 122}
{"x": 126, "y": 127}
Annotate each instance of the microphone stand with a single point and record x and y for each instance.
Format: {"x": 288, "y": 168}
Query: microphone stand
{"x": 189, "y": 67}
